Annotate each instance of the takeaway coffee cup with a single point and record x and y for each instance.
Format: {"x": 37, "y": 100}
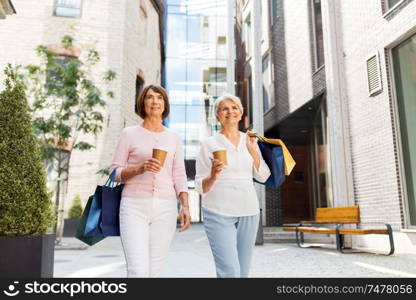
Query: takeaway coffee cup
{"x": 221, "y": 154}
{"x": 160, "y": 154}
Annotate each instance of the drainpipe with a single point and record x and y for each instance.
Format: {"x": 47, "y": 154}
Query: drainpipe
{"x": 337, "y": 104}
{"x": 258, "y": 122}
{"x": 230, "y": 47}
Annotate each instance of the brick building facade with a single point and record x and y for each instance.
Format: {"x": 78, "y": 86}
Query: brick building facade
{"x": 352, "y": 145}
{"x": 129, "y": 39}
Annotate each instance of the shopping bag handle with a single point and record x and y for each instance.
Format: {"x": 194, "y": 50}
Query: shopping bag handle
{"x": 111, "y": 181}
{"x": 260, "y": 137}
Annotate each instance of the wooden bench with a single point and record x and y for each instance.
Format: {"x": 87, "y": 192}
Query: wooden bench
{"x": 337, "y": 217}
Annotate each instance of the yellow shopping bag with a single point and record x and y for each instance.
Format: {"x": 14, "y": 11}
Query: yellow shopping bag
{"x": 288, "y": 159}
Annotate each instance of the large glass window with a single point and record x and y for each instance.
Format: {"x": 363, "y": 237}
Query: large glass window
{"x": 318, "y": 33}
{"x": 196, "y": 72}
{"x": 404, "y": 62}
{"x": 196, "y": 67}
{"x": 321, "y": 158}
{"x": 68, "y": 8}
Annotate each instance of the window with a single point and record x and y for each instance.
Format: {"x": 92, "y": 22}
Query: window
{"x": 217, "y": 75}
{"x": 321, "y": 158}
{"x": 139, "y": 86}
{"x": 391, "y": 3}
{"x": 139, "y": 89}
{"x": 404, "y": 66}
{"x": 221, "y": 40}
{"x": 206, "y": 21}
{"x": 390, "y": 8}
{"x": 68, "y": 8}
{"x": 250, "y": 102}
{"x": 277, "y": 6}
{"x": 54, "y": 82}
{"x": 247, "y": 34}
{"x": 268, "y": 100}
{"x": 318, "y": 33}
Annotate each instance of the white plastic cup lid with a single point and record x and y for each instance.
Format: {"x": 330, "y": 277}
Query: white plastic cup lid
{"x": 160, "y": 148}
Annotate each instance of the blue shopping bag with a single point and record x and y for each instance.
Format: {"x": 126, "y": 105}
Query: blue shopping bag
{"x": 273, "y": 157}
{"x": 80, "y": 234}
{"x": 110, "y": 199}
{"x": 93, "y": 225}
{"x": 103, "y": 217}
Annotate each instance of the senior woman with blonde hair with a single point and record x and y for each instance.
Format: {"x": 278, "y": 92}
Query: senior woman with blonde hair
{"x": 229, "y": 201}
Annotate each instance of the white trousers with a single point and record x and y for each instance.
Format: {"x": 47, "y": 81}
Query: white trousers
{"x": 147, "y": 227}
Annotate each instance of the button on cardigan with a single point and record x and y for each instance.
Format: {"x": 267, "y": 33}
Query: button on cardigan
{"x": 134, "y": 147}
{"x": 233, "y": 193}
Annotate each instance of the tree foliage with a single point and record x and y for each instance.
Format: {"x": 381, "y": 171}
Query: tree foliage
{"x": 66, "y": 101}
{"x": 66, "y": 105}
{"x": 75, "y": 212}
{"x": 25, "y": 207}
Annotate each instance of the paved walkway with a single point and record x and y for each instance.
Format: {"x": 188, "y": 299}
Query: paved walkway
{"x": 190, "y": 256}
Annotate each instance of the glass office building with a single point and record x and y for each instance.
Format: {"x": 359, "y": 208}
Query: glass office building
{"x": 196, "y": 60}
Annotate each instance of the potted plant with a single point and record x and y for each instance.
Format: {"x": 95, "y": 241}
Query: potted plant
{"x": 74, "y": 215}
{"x": 26, "y": 214}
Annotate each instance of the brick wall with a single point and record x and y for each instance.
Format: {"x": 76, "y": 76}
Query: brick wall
{"x": 373, "y": 143}
{"x": 296, "y": 80}
{"x": 273, "y": 207}
{"x": 373, "y": 140}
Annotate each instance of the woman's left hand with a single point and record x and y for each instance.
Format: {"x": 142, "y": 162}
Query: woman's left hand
{"x": 251, "y": 142}
{"x": 185, "y": 218}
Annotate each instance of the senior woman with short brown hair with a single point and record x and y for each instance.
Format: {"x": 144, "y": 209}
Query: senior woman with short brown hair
{"x": 229, "y": 200}
{"x": 148, "y": 208}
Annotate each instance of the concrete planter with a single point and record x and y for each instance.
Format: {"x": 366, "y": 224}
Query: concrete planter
{"x": 70, "y": 227}
{"x": 27, "y": 256}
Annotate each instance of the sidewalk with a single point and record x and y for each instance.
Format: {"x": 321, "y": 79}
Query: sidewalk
{"x": 190, "y": 256}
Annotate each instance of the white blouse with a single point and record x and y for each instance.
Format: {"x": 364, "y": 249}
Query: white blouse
{"x": 233, "y": 193}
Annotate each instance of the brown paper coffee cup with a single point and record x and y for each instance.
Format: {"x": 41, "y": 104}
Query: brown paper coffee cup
{"x": 221, "y": 155}
{"x": 160, "y": 154}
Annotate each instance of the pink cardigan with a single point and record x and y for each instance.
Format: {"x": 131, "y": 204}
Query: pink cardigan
{"x": 135, "y": 147}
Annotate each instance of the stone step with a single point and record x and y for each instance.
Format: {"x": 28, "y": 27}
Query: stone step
{"x": 278, "y": 241}
{"x": 277, "y": 235}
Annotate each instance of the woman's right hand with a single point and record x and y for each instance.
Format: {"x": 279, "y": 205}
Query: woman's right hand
{"x": 216, "y": 168}
{"x": 151, "y": 165}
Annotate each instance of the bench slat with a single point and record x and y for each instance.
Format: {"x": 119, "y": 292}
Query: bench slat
{"x": 332, "y": 230}
{"x": 363, "y": 231}
{"x": 289, "y": 229}
{"x": 345, "y": 214}
{"x": 322, "y": 230}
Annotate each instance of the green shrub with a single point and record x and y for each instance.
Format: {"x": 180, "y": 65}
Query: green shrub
{"x": 25, "y": 207}
{"x": 75, "y": 212}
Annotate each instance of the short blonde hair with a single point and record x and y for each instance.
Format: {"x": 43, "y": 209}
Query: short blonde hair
{"x": 224, "y": 97}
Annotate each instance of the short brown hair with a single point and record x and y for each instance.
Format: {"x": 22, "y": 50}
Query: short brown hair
{"x": 139, "y": 107}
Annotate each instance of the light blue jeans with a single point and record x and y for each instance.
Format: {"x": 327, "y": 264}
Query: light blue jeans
{"x": 232, "y": 241}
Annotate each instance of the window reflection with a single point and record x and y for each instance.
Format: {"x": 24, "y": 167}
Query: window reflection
{"x": 196, "y": 74}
